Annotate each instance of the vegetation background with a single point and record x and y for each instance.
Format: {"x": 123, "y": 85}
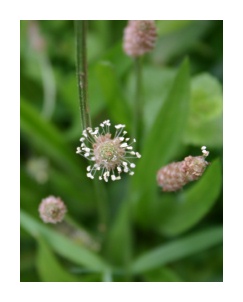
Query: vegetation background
{"x": 150, "y": 235}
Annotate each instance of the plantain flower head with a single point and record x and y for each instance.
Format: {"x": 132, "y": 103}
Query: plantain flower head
{"x": 52, "y": 209}
{"x": 174, "y": 176}
{"x": 139, "y": 37}
{"x": 111, "y": 156}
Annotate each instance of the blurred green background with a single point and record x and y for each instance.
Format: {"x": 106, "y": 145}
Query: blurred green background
{"x": 150, "y": 236}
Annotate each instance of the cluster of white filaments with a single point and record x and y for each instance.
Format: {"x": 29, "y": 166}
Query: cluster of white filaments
{"x": 111, "y": 156}
{"x": 204, "y": 151}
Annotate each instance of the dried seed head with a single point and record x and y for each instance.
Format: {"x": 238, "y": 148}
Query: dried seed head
{"x": 111, "y": 156}
{"x": 139, "y": 37}
{"x": 52, "y": 209}
{"x": 175, "y": 175}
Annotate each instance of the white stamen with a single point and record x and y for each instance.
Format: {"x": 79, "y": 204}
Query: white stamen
{"x": 90, "y": 175}
{"x": 131, "y": 173}
{"x": 205, "y": 153}
{"x": 119, "y": 126}
{"x": 132, "y": 165}
{"x": 138, "y": 155}
{"x": 124, "y": 145}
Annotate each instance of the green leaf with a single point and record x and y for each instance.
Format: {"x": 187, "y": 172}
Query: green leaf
{"x": 206, "y": 98}
{"x": 118, "y": 108}
{"x": 205, "y": 126}
{"x": 178, "y": 42}
{"x": 118, "y": 58}
{"x": 178, "y": 249}
{"x": 48, "y": 266}
{"x": 50, "y": 142}
{"x": 62, "y": 245}
{"x": 165, "y": 27}
{"x": 120, "y": 236}
{"x": 208, "y": 133}
{"x": 192, "y": 204}
{"x": 161, "y": 144}
{"x": 163, "y": 274}
{"x": 157, "y": 82}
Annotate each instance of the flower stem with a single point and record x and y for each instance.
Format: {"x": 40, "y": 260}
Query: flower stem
{"x": 82, "y": 71}
{"x": 138, "y": 104}
{"x": 81, "y": 27}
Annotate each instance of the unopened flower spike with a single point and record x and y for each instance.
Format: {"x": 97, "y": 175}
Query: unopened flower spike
{"x": 109, "y": 156}
{"x": 52, "y": 209}
{"x": 139, "y": 37}
{"x": 175, "y": 175}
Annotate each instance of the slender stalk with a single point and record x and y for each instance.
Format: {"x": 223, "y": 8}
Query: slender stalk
{"x": 82, "y": 71}
{"x": 138, "y": 104}
{"x": 82, "y": 77}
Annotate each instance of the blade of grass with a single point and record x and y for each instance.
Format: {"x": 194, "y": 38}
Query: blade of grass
{"x": 178, "y": 249}
{"x": 62, "y": 245}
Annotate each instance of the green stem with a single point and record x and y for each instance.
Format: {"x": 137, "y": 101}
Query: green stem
{"x": 138, "y": 104}
{"x": 82, "y": 76}
{"x": 82, "y": 71}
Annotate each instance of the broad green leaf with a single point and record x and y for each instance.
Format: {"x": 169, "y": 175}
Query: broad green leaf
{"x": 161, "y": 144}
{"x": 63, "y": 245}
{"x": 190, "y": 205}
{"x": 178, "y": 249}
{"x": 119, "y": 111}
{"x": 49, "y": 268}
{"x": 205, "y": 125}
{"x": 206, "y": 98}
{"x": 209, "y": 133}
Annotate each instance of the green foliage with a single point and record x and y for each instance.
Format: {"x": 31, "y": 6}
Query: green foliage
{"x": 205, "y": 124}
{"x": 191, "y": 204}
{"x": 180, "y": 248}
{"x": 162, "y": 143}
{"x": 62, "y": 245}
{"x": 48, "y": 266}
{"x": 135, "y": 232}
